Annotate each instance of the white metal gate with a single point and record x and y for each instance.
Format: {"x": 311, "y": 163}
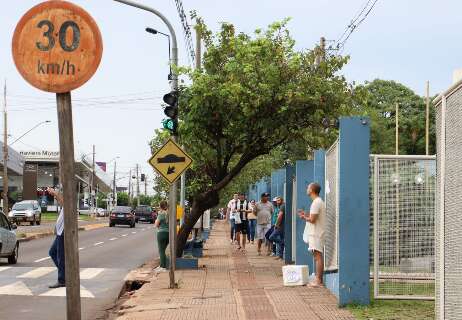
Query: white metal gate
{"x": 331, "y": 234}
{"x": 403, "y": 194}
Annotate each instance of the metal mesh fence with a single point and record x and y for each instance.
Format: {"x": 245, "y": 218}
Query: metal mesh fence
{"x": 331, "y": 241}
{"x": 404, "y": 226}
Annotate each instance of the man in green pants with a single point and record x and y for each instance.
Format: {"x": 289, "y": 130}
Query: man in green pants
{"x": 162, "y": 235}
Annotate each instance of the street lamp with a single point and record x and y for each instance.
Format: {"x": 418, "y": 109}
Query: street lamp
{"x": 154, "y": 31}
{"x": 33, "y": 128}
{"x": 114, "y": 190}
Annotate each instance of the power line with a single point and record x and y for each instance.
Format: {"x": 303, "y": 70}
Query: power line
{"x": 186, "y": 31}
{"x": 354, "y": 24}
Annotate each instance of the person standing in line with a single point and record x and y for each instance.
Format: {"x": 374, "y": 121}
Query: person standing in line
{"x": 56, "y": 252}
{"x": 230, "y": 214}
{"x": 243, "y": 210}
{"x": 316, "y": 229}
{"x": 252, "y": 221}
{"x": 162, "y": 235}
{"x": 278, "y": 233}
{"x": 263, "y": 211}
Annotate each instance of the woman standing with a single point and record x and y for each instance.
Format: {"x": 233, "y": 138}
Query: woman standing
{"x": 252, "y": 220}
{"x": 162, "y": 235}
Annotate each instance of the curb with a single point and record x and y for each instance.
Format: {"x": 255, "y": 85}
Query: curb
{"x": 49, "y": 233}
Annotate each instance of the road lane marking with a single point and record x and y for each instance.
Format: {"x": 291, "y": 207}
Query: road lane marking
{"x": 43, "y": 259}
{"x": 82, "y": 248}
{"x": 133, "y": 232}
{"x": 16, "y": 289}
{"x": 112, "y": 239}
{"x": 4, "y": 268}
{"x": 144, "y": 229}
{"x": 61, "y": 292}
{"x": 124, "y": 235}
{"x": 90, "y": 273}
{"x": 98, "y": 244}
{"x": 37, "y": 273}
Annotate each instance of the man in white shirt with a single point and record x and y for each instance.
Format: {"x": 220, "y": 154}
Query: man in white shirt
{"x": 263, "y": 210}
{"x": 316, "y": 229}
{"x": 57, "y": 248}
{"x": 230, "y": 214}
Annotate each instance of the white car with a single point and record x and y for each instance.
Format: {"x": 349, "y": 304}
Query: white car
{"x": 9, "y": 245}
{"x": 26, "y": 211}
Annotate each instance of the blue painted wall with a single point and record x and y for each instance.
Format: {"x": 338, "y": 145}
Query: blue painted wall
{"x": 304, "y": 171}
{"x": 289, "y": 176}
{"x": 354, "y": 211}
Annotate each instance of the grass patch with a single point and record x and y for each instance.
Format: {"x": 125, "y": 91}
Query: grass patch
{"x": 52, "y": 216}
{"x": 394, "y": 309}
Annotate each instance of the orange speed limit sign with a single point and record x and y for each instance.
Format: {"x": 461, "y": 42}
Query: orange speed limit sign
{"x": 57, "y": 46}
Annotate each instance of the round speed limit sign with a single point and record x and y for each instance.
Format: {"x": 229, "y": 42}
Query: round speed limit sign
{"x": 57, "y": 46}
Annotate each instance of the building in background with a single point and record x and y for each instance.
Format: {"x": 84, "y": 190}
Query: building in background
{"x": 15, "y": 165}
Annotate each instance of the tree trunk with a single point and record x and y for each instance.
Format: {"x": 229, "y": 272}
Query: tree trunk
{"x": 201, "y": 202}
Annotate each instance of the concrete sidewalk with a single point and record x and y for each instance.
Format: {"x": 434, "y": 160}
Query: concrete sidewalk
{"x": 230, "y": 285}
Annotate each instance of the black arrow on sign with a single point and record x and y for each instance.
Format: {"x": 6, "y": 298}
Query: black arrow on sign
{"x": 171, "y": 170}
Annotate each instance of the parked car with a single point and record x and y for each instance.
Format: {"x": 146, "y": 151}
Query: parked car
{"x": 122, "y": 215}
{"x": 26, "y": 211}
{"x": 145, "y": 214}
{"x": 9, "y": 245}
{"x": 100, "y": 212}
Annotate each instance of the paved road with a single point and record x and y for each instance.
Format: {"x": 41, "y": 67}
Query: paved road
{"x": 106, "y": 256}
{"x": 47, "y": 225}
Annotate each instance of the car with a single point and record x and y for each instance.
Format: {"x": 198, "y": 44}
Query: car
{"x": 9, "y": 244}
{"x": 145, "y": 214}
{"x": 122, "y": 215}
{"x": 26, "y": 211}
{"x": 100, "y": 212}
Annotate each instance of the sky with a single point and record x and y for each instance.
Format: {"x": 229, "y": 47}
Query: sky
{"x": 120, "y": 107}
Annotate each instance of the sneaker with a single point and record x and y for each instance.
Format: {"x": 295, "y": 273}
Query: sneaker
{"x": 272, "y": 255}
{"x": 163, "y": 270}
{"x": 57, "y": 285}
{"x": 157, "y": 269}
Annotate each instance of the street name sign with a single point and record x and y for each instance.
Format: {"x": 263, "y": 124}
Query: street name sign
{"x": 170, "y": 161}
{"x": 57, "y": 46}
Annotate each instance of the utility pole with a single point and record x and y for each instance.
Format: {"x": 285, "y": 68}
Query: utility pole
{"x": 5, "y": 153}
{"x": 137, "y": 185}
{"x": 114, "y": 192}
{"x": 172, "y": 198}
{"x": 397, "y": 129}
{"x": 146, "y": 185}
{"x": 92, "y": 182}
{"x": 130, "y": 188}
{"x": 427, "y": 121}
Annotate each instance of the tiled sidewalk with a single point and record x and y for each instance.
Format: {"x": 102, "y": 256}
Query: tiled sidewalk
{"x": 230, "y": 285}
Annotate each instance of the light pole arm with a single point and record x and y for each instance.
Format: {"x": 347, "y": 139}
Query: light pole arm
{"x": 174, "y": 58}
{"x": 36, "y": 126}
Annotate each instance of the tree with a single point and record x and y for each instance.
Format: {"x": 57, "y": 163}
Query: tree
{"x": 102, "y": 197}
{"x": 122, "y": 199}
{"x": 253, "y": 95}
{"x": 378, "y": 100}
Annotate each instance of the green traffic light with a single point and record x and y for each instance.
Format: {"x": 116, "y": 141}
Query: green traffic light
{"x": 169, "y": 124}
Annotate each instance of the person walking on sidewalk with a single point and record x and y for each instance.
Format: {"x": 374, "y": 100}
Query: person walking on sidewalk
{"x": 263, "y": 211}
{"x": 230, "y": 216}
{"x": 57, "y": 248}
{"x": 277, "y": 236}
{"x": 241, "y": 221}
{"x": 316, "y": 229}
{"x": 162, "y": 235}
{"x": 252, "y": 221}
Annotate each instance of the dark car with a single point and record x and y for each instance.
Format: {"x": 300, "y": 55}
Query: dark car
{"x": 122, "y": 215}
{"x": 145, "y": 214}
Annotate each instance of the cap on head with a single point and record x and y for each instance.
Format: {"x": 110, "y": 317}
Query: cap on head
{"x": 265, "y": 195}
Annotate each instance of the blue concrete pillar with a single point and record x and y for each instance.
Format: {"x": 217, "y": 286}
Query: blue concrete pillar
{"x": 350, "y": 283}
{"x": 288, "y": 197}
{"x": 304, "y": 173}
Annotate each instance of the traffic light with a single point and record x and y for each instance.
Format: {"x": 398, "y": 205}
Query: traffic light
{"x": 143, "y": 177}
{"x": 171, "y": 111}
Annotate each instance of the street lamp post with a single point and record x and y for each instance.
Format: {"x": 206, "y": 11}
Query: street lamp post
{"x": 174, "y": 83}
{"x": 28, "y": 131}
{"x": 114, "y": 189}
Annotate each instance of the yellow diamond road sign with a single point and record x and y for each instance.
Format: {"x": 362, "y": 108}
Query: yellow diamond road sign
{"x": 170, "y": 161}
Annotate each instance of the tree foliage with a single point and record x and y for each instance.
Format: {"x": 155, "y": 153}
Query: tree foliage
{"x": 122, "y": 199}
{"x": 254, "y": 95}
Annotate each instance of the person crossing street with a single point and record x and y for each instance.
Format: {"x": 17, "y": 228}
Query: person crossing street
{"x": 57, "y": 248}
